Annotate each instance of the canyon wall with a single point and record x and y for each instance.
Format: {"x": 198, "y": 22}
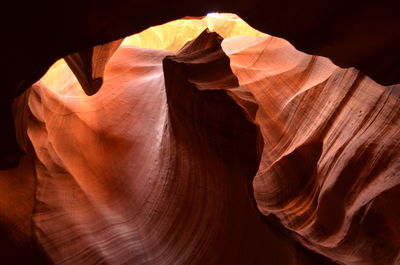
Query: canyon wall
{"x": 236, "y": 151}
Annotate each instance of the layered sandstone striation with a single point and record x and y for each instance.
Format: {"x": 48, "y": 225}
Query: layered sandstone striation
{"x": 194, "y": 149}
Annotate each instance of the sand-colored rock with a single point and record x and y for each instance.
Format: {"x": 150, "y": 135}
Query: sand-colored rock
{"x": 165, "y": 173}
{"x": 330, "y": 161}
{"x": 213, "y": 155}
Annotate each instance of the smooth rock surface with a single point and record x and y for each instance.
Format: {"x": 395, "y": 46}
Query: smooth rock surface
{"x": 240, "y": 154}
{"x": 330, "y": 158}
{"x": 165, "y": 173}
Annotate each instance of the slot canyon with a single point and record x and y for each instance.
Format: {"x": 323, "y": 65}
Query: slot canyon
{"x": 217, "y": 132}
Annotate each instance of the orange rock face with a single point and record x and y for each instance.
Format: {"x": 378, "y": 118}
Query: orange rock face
{"x": 330, "y": 157}
{"x": 194, "y": 149}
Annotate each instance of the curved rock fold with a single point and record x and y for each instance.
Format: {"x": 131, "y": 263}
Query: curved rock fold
{"x": 240, "y": 150}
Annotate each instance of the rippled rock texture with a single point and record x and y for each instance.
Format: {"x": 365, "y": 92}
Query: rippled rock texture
{"x": 240, "y": 150}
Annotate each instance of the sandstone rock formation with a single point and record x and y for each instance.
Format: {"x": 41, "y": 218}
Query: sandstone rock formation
{"x": 363, "y": 34}
{"x": 330, "y": 160}
{"x": 234, "y": 151}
